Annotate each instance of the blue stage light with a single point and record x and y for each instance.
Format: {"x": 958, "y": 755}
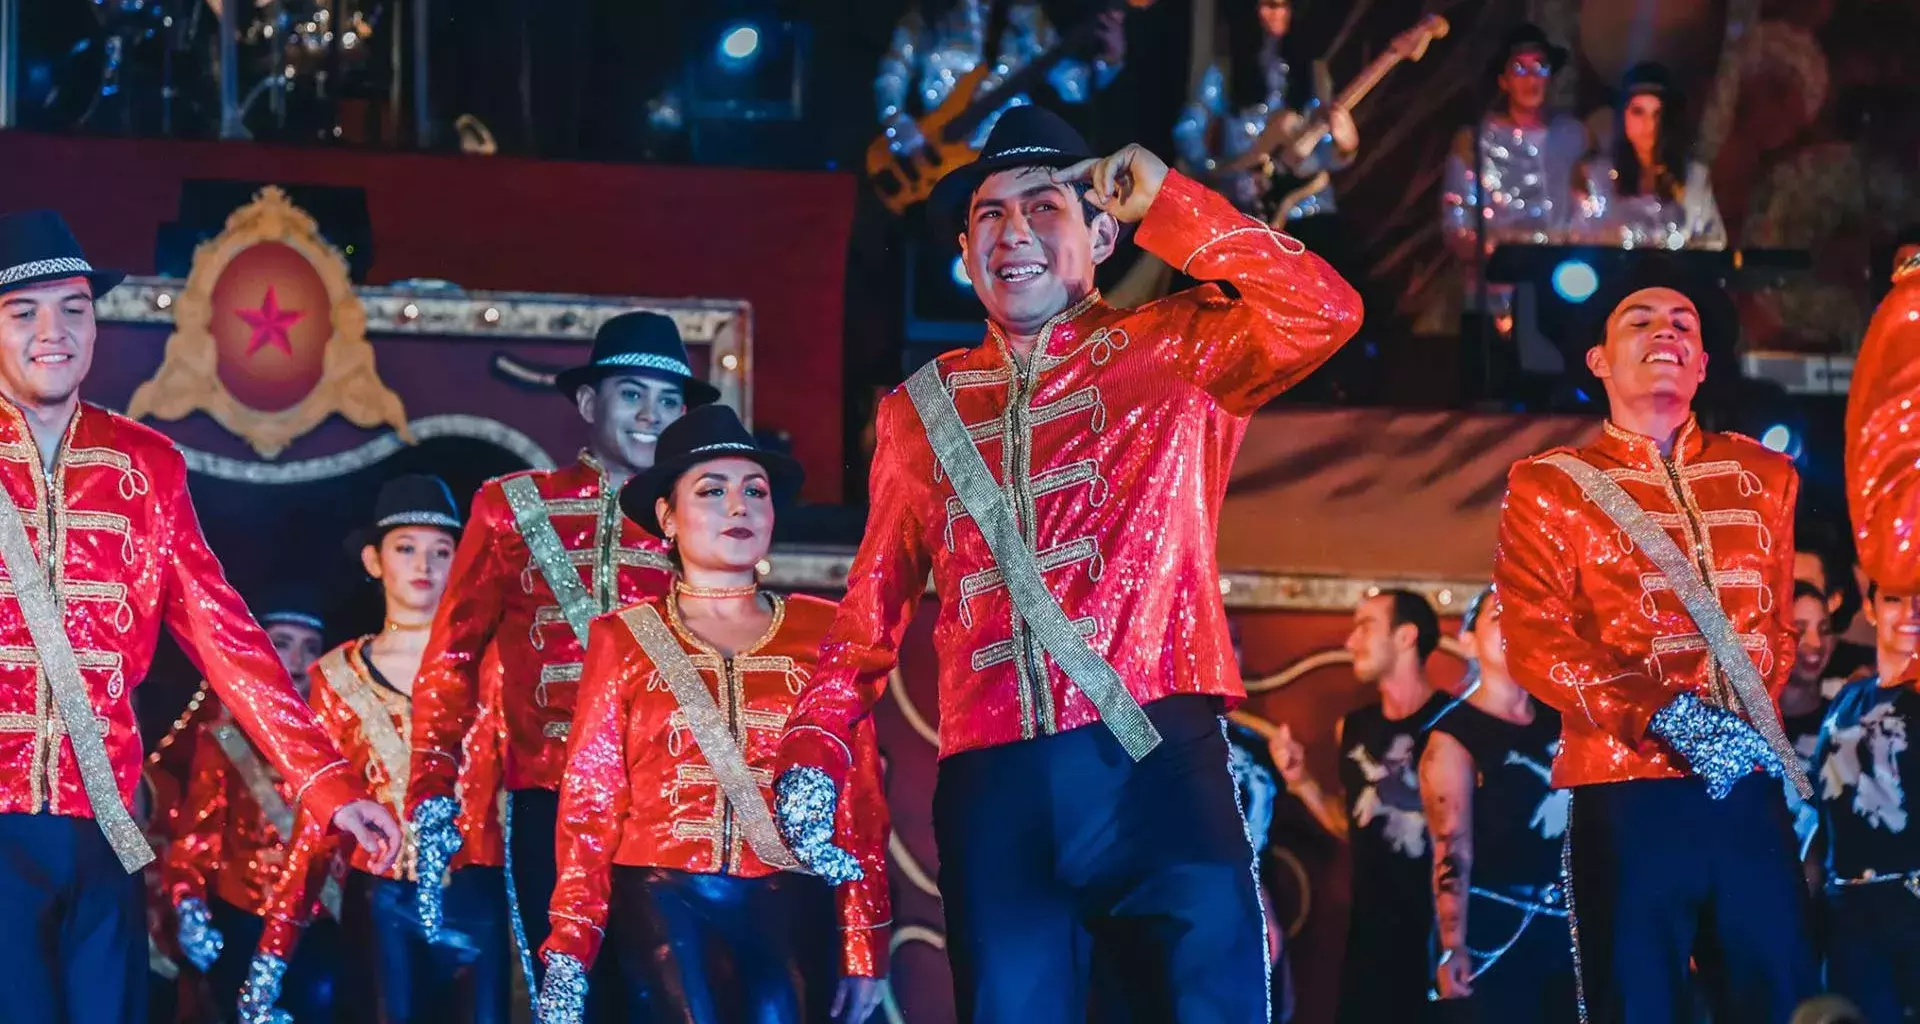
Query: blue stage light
{"x": 959, "y": 273}
{"x": 739, "y": 44}
{"x": 1575, "y": 281}
{"x": 1779, "y": 438}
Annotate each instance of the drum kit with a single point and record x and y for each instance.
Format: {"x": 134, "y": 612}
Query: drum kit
{"x": 273, "y": 69}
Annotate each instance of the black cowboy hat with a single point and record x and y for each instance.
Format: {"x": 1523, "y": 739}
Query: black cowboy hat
{"x": 36, "y": 246}
{"x": 1527, "y": 36}
{"x": 1025, "y": 136}
{"x": 702, "y": 435}
{"x": 1719, "y": 320}
{"x": 292, "y": 604}
{"x": 416, "y": 499}
{"x": 639, "y": 344}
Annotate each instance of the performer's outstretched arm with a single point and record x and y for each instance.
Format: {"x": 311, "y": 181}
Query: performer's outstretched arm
{"x": 1290, "y": 757}
{"x": 233, "y": 653}
{"x": 1447, "y": 776}
{"x": 862, "y": 826}
{"x": 1883, "y": 441}
{"x": 1535, "y": 569}
{"x": 885, "y": 585}
{"x": 446, "y": 693}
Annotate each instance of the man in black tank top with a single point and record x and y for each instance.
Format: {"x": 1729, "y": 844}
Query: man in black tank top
{"x": 1385, "y": 975}
{"x": 1498, "y": 825}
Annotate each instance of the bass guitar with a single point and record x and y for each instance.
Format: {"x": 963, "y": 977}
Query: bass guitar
{"x": 1290, "y": 139}
{"x": 903, "y": 178}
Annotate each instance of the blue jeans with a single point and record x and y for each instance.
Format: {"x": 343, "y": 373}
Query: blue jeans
{"x": 400, "y": 978}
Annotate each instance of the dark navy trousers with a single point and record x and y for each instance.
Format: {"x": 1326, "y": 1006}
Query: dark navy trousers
{"x": 1663, "y": 873}
{"x": 73, "y": 925}
{"x": 1060, "y": 849}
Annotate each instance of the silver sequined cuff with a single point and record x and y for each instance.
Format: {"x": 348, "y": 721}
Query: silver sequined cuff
{"x": 435, "y": 840}
{"x": 563, "y": 995}
{"x": 1719, "y": 746}
{"x": 199, "y": 939}
{"x": 262, "y": 990}
{"x": 803, "y": 804}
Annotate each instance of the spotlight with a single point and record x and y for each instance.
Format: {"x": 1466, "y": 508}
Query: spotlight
{"x": 959, "y": 273}
{"x": 1575, "y": 281}
{"x": 739, "y": 44}
{"x": 1780, "y": 438}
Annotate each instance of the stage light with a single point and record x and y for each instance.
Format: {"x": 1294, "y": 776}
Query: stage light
{"x": 1779, "y": 438}
{"x": 959, "y": 273}
{"x": 1575, "y": 281}
{"x": 739, "y": 44}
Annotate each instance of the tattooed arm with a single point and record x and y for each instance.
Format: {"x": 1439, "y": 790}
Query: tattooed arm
{"x": 1446, "y": 789}
{"x": 1291, "y": 758}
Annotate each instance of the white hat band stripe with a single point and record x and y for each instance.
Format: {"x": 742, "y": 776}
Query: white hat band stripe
{"x": 419, "y": 519}
{"x": 1021, "y": 150}
{"x": 41, "y": 268}
{"x": 295, "y": 618}
{"x": 730, "y": 446}
{"x": 647, "y": 361}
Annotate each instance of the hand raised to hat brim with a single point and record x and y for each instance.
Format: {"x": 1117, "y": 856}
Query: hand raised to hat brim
{"x": 1124, "y": 184}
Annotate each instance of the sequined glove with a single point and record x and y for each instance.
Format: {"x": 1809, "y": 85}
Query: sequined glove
{"x": 262, "y": 990}
{"x": 563, "y": 995}
{"x": 435, "y": 840}
{"x": 1719, "y": 746}
{"x": 803, "y": 806}
{"x": 199, "y": 939}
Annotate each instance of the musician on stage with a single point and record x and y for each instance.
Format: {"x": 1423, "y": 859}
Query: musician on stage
{"x": 396, "y": 972}
{"x": 1647, "y": 191}
{"x": 670, "y": 864}
{"x": 1240, "y": 95}
{"x": 1091, "y": 445}
{"x": 1645, "y": 581}
{"x": 543, "y": 553}
{"x": 102, "y": 548}
{"x": 937, "y": 42}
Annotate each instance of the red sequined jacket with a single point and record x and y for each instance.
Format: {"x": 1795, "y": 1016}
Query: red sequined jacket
{"x": 1592, "y": 627}
{"x": 496, "y": 595}
{"x": 1113, "y": 445}
{"x": 124, "y": 552}
{"x": 225, "y": 843}
{"x": 638, "y": 792}
{"x": 371, "y": 721}
{"x": 1883, "y": 439}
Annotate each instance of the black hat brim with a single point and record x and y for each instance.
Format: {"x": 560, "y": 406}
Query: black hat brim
{"x": 640, "y": 496}
{"x": 952, "y": 193}
{"x": 100, "y": 282}
{"x": 569, "y": 382}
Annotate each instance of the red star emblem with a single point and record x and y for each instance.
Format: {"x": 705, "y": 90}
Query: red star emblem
{"x": 269, "y": 324}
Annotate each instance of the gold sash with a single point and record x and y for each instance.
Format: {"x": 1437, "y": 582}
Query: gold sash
{"x": 531, "y": 518}
{"x": 253, "y": 774}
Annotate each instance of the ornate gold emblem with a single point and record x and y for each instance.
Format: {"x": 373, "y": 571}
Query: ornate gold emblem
{"x": 269, "y": 338}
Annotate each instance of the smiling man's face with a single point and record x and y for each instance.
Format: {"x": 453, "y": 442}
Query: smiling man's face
{"x": 1653, "y": 349}
{"x": 47, "y": 333}
{"x": 1030, "y": 247}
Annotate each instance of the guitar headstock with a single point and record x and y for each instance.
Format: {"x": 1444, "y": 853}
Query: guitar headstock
{"x": 1412, "y": 44}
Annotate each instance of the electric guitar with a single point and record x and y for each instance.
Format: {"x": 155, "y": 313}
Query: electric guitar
{"x": 905, "y": 178}
{"x": 1290, "y": 139}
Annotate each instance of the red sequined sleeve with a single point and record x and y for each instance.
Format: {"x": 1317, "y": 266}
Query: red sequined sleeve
{"x": 1292, "y": 313}
{"x": 233, "y": 653}
{"x": 1781, "y": 634}
{"x": 862, "y": 822}
{"x": 884, "y": 587}
{"x": 293, "y": 897}
{"x": 595, "y": 792}
{"x": 194, "y": 854}
{"x": 1536, "y": 573}
{"x": 446, "y": 693}
{"x": 1883, "y": 442}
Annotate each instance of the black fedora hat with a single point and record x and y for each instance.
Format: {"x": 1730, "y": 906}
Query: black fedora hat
{"x": 1025, "y": 136}
{"x": 1521, "y": 38}
{"x": 36, "y": 246}
{"x": 292, "y": 604}
{"x": 1719, "y": 319}
{"x": 639, "y": 344}
{"x": 1648, "y": 78}
{"x": 416, "y": 499}
{"x": 702, "y": 435}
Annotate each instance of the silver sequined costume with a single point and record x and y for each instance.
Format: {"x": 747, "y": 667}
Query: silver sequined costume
{"x": 1603, "y": 217}
{"x": 923, "y": 62}
{"x": 1527, "y": 175}
{"x": 1200, "y": 145}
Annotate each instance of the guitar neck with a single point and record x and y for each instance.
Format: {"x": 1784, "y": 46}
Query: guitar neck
{"x": 1373, "y": 75}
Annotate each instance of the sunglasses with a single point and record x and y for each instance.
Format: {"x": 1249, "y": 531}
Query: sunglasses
{"x": 1522, "y": 69}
